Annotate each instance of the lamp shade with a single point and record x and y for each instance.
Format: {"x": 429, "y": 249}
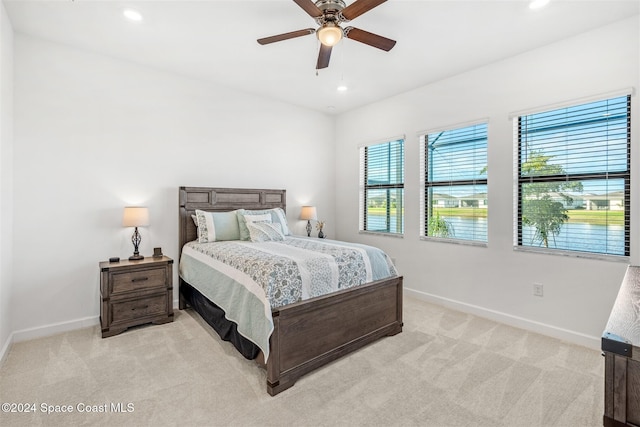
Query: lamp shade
{"x": 135, "y": 217}
{"x": 308, "y": 212}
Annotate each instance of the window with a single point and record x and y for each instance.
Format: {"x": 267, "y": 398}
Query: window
{"x": 382, "y": 187}
{"x": 454, "y": 181}
{"x": 573, "y": 186}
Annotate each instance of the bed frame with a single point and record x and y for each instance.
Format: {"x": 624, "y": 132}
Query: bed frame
{"x": 310, "y": 333}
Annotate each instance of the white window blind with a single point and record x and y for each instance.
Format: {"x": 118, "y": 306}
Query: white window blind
{"x": 454, "y": 183}
{"x": 382, "y": 187}
{"x": 573, "y": 170}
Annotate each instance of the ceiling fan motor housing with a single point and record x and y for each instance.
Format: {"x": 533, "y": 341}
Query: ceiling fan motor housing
{"x": 336, "y": 5}
{"x": 330, "y": 11}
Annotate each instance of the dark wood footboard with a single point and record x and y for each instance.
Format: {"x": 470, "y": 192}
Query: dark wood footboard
{"x": 312, "y": 333}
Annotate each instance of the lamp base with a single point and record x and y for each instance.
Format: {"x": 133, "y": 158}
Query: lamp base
{"x": 136, "y": 239}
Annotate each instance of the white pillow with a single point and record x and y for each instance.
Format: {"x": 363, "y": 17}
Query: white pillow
{"x": 264, "y": 232}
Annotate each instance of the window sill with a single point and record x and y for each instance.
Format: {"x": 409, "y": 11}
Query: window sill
{"x": 382, "y": 233}
{"x": 573, "y": 254}
{"x": 455, "y": 241}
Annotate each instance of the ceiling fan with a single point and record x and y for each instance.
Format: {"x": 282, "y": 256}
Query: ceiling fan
{"x": 329, "y": 14}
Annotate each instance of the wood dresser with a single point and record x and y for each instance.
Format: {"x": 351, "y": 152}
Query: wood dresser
{"x": 621, "y": 349}
{"x": 135, "y": 292}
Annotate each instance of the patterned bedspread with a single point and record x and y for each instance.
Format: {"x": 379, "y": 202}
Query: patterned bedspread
{"x": 248, "y": 279}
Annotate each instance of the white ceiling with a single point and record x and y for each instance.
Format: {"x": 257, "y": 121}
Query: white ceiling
{"x": 215, "y": 40}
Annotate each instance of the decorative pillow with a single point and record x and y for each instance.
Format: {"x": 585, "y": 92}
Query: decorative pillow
{"x": 265, "y": 232}
{"x": 217, "y": 226}
{"x": 280, "y": 217}
{"x": 277, "y": 216}
{"x": 257, "y": 218}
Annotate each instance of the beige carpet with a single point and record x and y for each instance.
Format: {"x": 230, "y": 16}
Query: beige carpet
{"x": 445, "y": 369}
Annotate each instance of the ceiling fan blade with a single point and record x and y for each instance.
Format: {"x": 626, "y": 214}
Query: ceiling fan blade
{"x": 309, "y": 7}
{"x": 359, "y": 7}
{"x": 371, "y": 39}
{"x": 286, "y": 36}
{"x": 323, "y": 57}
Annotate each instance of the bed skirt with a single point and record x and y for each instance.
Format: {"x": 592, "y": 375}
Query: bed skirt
{"x": 215, "y": 317}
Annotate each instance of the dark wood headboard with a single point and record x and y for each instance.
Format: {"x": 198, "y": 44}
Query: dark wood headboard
{"x": 222, "y": 200}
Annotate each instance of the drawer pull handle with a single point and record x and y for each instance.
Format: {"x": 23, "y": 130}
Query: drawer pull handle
{"x": 140, "y": 279}
{"x": 141, "y": 307}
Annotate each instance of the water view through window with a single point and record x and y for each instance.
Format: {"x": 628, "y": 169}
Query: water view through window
{"x": 574, "y": 179}
{"x": 455, "y": 182}
{"x": 382, "y": 184}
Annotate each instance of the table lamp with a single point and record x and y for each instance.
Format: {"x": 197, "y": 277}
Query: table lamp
{"x": 308, "y": 213}
{"x": 135, "y": 217}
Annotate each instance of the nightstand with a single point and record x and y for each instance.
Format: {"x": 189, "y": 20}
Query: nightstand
{"x": 135, "y": 292}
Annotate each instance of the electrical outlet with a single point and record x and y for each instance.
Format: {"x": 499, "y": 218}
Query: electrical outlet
{"x": 538, "y": 289}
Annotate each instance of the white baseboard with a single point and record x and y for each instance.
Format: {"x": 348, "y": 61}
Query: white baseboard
{"x": 45, "y": 331}
{"x": 516, "y": 321}
{"x": 54, "y": 328}
{"x": 509, "y": 319}
{"x": 5, "y": 348}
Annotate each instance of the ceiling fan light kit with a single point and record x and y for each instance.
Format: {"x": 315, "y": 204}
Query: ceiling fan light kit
{"x": 329, "y": 14}
{"x": 329, "y": 34}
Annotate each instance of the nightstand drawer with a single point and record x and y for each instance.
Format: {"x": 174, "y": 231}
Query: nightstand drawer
{"x": 136, "y": 309}
{"x": 138, "y": 279}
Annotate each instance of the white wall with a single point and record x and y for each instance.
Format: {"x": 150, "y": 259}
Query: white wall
{"x": 93, "y": 134}
{"x": 496, "y": 281}
{"x": 6, "y": 178}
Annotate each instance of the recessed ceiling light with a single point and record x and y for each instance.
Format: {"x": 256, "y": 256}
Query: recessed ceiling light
{"x": 133, "y": 15}
{"x": 342, "y": 88}
{"x": 537, "y": 4}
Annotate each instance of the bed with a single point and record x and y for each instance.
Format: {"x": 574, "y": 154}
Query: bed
{"x": 306, "y": 334}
